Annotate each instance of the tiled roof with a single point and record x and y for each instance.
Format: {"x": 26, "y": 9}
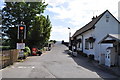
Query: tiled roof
{"x": 116, "y": 36}
{"x": 113, "y": 36}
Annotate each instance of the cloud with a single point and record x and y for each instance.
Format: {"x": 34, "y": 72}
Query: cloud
{"x": 2, "y": 4}
{"x": 79, "y": 12}
{"x": 61, "y": 33}
{"x": 55, "y": 3}
{"x": 58, "y": 32}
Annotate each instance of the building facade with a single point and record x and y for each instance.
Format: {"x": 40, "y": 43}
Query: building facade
{"x": 88, "y": 37}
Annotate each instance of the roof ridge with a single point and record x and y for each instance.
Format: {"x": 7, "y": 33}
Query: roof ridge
{"x": 94, "y": 21}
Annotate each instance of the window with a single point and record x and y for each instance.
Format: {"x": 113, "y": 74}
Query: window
{"x": 107, "y": 18}
{"x": 91, "y": 45}
{"x": 79, "y": 42}
{"x": 119, "y": 49}
{"x": 78, "y": 45}
{"x": 86, "y": 44}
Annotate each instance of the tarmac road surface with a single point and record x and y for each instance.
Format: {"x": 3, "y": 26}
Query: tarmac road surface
{"x": 55, "y": 64}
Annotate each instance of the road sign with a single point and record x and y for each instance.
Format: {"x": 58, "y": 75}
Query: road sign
{"x": 20, "y": 45}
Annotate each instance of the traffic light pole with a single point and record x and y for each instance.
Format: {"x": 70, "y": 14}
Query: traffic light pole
{"x": 22, "y": 41}
{"x": 21, "y": 36}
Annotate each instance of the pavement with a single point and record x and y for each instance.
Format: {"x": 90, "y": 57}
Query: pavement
{"x": 112, "y": 70}
{"x": 56, "y": 63}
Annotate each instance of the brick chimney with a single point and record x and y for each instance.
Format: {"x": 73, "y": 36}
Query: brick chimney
{"x": 93, "y": 18}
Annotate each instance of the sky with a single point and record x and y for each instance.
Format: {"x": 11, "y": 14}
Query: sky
{"x": 74, "y": 14}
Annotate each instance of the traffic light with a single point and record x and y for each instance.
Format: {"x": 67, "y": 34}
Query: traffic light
{"x": 22, "y": 32}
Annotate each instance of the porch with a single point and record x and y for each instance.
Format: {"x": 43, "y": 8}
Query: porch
{"x": 112, "y": 55}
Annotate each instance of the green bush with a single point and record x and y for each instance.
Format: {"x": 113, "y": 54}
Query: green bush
{"x": 27, "y": 49}
{"x": 91, "y": 57}
{"x": 62, "y": 41}
{"x": 84, "y": 54}
{"x": 54, "y": 41}
{"x": 4, "y": 47}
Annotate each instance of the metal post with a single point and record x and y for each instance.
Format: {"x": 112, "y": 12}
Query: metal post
{"x": 69, "y": 36}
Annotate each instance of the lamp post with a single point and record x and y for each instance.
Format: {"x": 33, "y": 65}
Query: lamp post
{"x": 69, "y": 37}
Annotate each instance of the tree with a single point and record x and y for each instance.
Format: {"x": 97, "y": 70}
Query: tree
{"x": 12, "y": 38}
{"x": 15, "y": 12}
{"x": 40, "y": 31}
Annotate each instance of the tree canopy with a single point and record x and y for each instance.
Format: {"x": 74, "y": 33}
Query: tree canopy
{"x": 38, "y": 28}
{"x": 40, "y": 32}
{"x": 15, "y": 12}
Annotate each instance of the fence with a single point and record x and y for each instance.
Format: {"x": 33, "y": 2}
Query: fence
{"x": 8, "y": 57}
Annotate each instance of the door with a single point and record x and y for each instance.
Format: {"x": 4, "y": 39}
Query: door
{"x": 107, "y": 58}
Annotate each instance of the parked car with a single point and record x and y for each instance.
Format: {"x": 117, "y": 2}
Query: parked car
{"x": 39, "y": 52}
{"x": 34, "y": 51}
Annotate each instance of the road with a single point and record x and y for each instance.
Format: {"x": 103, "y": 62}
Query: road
{"x": 55, "y": 64}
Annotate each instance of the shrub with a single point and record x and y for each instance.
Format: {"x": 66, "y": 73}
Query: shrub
{"x": 91, "y": 57}
{"x": 85, "y": 55}
{"x": 27, "y": 49}
{"x": 62, "y": 41}
{"x": 4, "y": 47}
{"x": 54, "y": 41}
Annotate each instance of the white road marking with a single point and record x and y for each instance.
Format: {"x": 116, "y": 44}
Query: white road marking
{"x": 23, "y": 67}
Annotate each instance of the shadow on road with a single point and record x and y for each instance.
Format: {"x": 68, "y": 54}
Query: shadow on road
{"x": 90, "y": 65}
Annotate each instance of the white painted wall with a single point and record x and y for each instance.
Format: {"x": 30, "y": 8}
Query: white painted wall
{"x": 86, "y": 35}
{"x": 101, "y": 30}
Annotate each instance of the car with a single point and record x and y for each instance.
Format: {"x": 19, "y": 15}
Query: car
{"x": 39, "y": 52}
{"x": 34, "y": 51}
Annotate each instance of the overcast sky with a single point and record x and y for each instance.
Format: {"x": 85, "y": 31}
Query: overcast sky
{"x": 75, "y": 14}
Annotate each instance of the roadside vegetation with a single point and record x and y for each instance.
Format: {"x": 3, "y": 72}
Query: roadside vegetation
{"x": 4, "y": 47}
{"x": 38, "y": 26}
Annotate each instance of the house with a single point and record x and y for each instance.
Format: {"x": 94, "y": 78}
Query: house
{"x": 87, "y": 38}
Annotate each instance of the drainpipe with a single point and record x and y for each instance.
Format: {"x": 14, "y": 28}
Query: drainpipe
{"x": 82, "y": 43}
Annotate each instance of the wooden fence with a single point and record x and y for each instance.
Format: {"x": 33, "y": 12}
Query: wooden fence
{"x": 8, "y": 57}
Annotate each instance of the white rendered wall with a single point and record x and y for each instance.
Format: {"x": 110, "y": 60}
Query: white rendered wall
{"x": 86, "y": 35}
{"x": 101, "y": 30}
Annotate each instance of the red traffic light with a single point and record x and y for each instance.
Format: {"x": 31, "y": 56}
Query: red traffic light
{"x": 21, "y": 32}
{"x": 21, "y": 27}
